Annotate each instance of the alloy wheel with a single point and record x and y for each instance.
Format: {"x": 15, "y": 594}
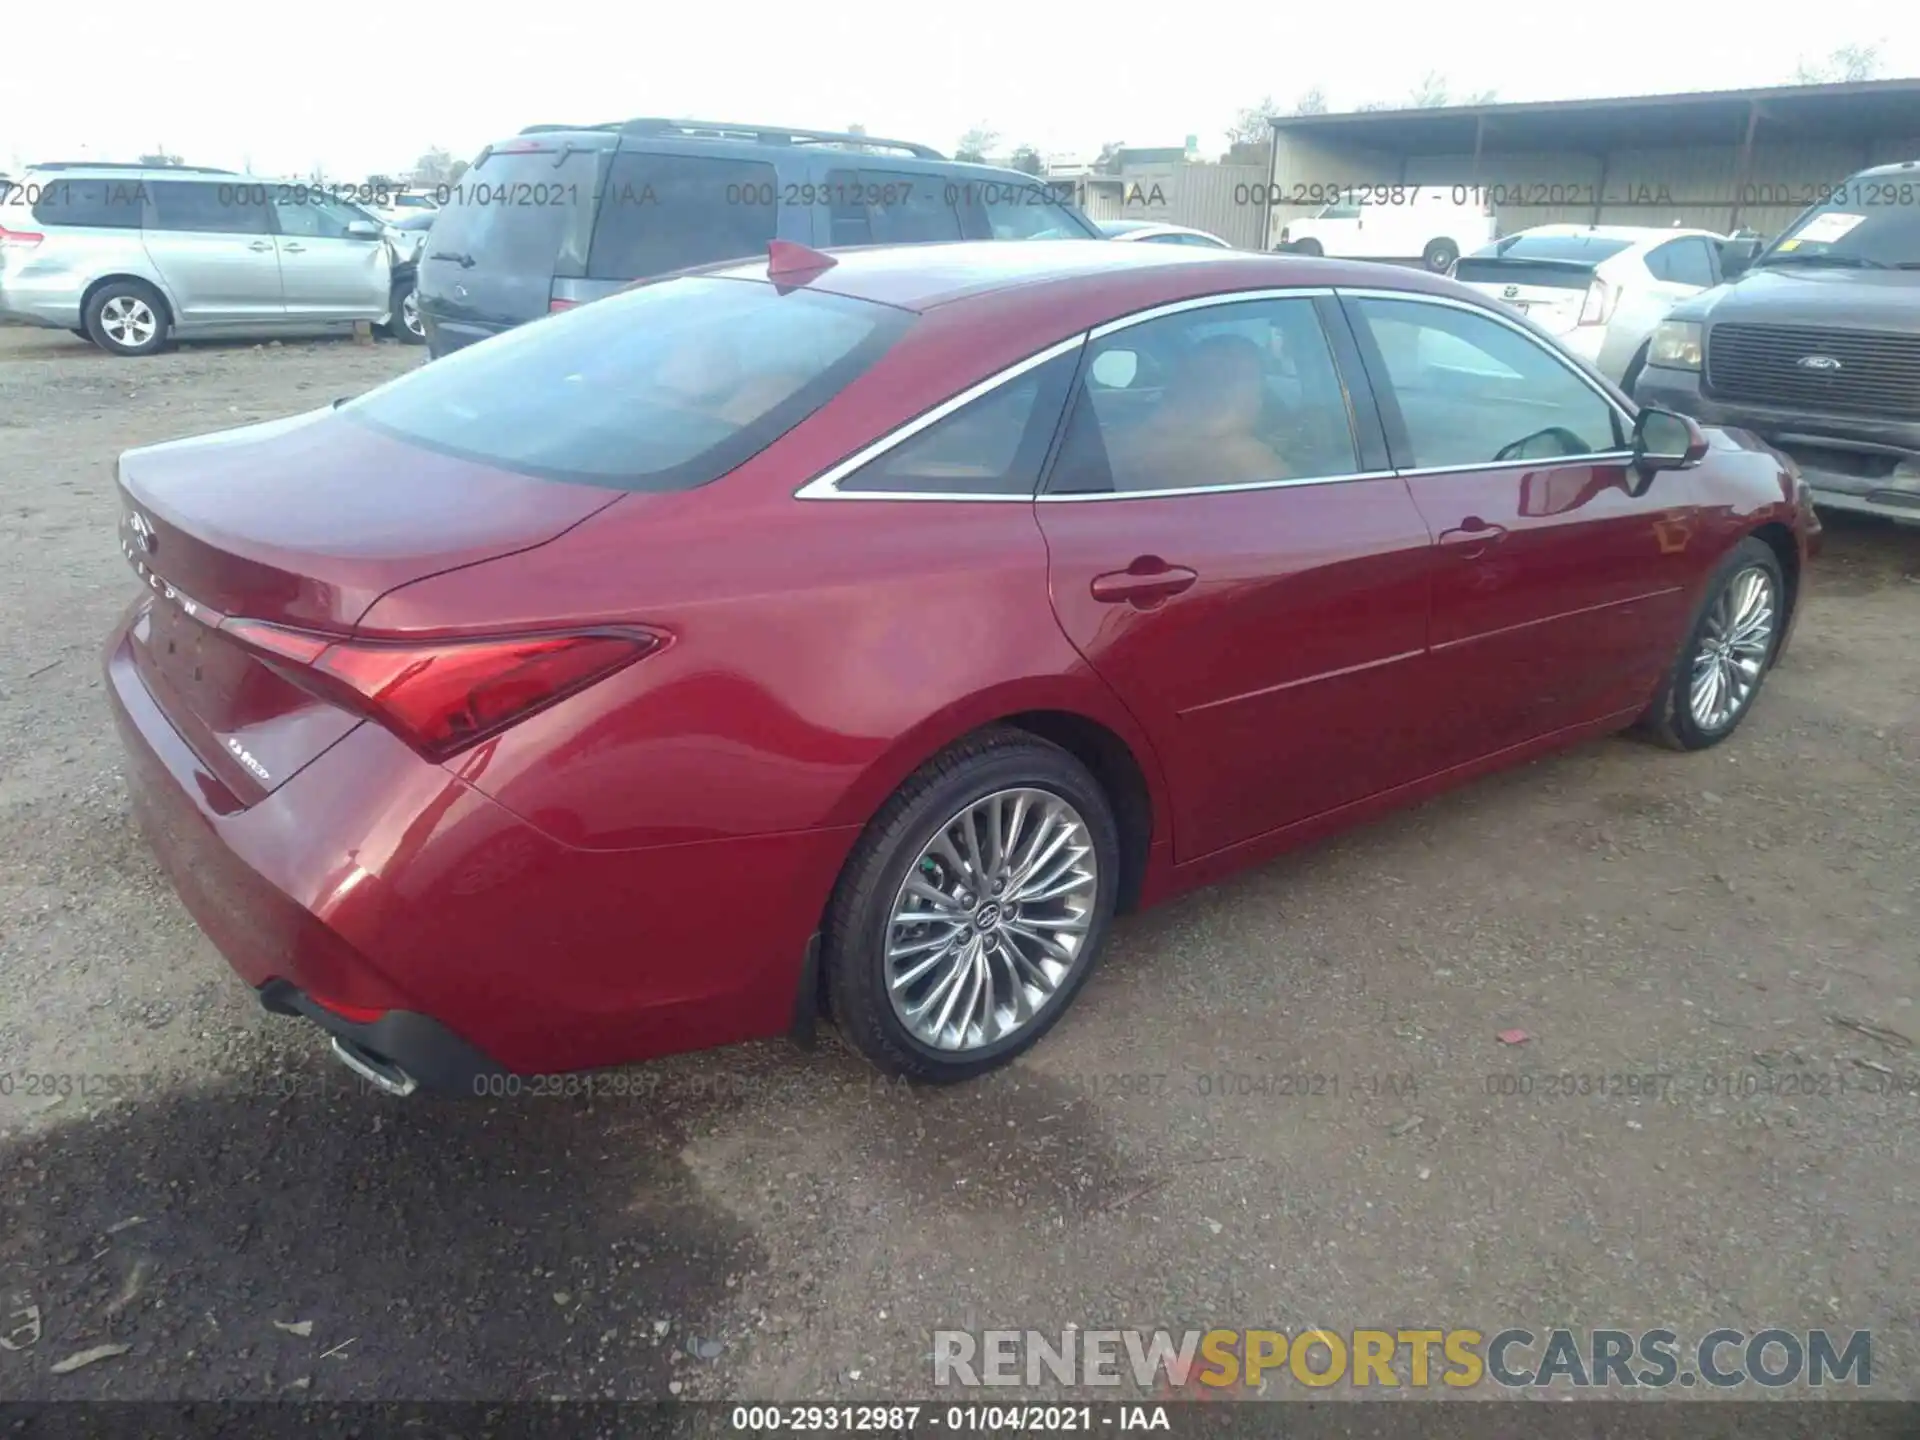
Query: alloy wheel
{"x": 1734, "y": 645}
{"x": 991, "y": 920}
{"x": 410, "y": 312}
{"x": 128, "y": 320}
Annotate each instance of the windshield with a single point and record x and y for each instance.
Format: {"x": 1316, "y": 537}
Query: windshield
{"x": 662, "y": 388}
{"x": 1868, "y": 222}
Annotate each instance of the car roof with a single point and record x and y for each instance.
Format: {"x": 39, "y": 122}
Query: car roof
{"x": 45, "y": 174}
{"x": 1632, "y": 234}
{"x": 1897, "y": 167}
{"x": 1128, "y": 227}
{"x": 926, "y": 276}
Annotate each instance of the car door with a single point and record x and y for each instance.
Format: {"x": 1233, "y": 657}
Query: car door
{"x": 212, "y": 243}
{"x": 1555, "y": 588}
{"x": 1229, "y": 553}
{"x": 327, "y": 274}
{"x": 1338, "y": 229}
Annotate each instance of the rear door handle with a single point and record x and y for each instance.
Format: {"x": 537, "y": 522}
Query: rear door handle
{"x": 294, "y": 249}
{"x": 1143, "y": 584}
{"x": 1473, "y": 536}
{"x": 261, "y": 245}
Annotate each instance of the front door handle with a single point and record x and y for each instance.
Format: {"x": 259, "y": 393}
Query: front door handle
{"x": 1473, "y": 536}
{"x": 1143, "y": 584}
{"x": 294, "y": 249}
{"x": 261, "y": 245}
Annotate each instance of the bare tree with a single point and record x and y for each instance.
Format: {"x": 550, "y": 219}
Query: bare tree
{"x": 1844, "y": 66}
{"x": 160, "y": 158}
{"x": 1312, "y": 101}
{"x": 1430, "y": 93}
{"x": 435, "y": 167}
{"x": 976, "y": 144}
{"x": 1254, "y": 124}
{"x": 1108, "y": 162}
{"x": 1027, "y": 160}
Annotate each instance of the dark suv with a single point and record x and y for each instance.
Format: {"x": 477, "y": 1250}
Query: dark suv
{"x": 1816, "y": 346}
{"x": 563, "y": 214}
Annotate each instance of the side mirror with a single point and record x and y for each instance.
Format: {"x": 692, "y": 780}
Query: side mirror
{"x": 1664, "y": 440}
{"x": 362, "y": 230}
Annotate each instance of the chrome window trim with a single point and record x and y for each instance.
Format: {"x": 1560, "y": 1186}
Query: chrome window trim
{"x": 1287, "y": 484}
{"x": 826, "y": 485}
{"x": 1418, "y": 297}
{"x": 1205, "y": 302}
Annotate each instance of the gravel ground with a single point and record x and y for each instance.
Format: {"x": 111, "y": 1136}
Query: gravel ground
{"x": 761, "y": 1223}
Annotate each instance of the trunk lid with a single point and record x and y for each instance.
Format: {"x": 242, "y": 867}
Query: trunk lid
{"x": 304, "y": 523}
{"x": 1548, "y": 292}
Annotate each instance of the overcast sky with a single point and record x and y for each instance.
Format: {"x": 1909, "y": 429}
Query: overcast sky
{"x": 366, "y": 87}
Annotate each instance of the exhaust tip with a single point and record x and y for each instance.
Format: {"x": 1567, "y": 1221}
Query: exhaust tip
{"x": 382, "y": 1074}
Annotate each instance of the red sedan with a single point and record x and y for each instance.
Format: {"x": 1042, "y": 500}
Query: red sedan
{"x": 858, "y": 633}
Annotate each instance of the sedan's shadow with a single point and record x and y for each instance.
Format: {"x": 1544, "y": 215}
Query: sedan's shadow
{"x": 436, "y": 1249}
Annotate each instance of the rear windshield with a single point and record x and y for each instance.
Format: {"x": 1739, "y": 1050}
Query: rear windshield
{"x": 1586, "y": 249}
{"x": 662, "y": 388}
{"x": 513, "y": 210}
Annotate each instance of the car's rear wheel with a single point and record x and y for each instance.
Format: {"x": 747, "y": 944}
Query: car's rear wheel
{"x": 1307, "y": 247}
{"x": 127, "y": 317}
{"x": 403, "y": 320}
{"x": 1439, "y": 256}
{"x": 1728, "y": 651}
{"x": 973, "y": 908}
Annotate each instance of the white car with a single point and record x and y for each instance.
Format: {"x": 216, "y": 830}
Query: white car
{"x": 1434, "y": 224}
{"x": 1152, "y": 232}
{"x": 1599, "y": 289}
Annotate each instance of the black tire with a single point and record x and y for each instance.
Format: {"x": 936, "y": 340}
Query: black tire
{"x": 854, "y": 942}
{"x": 131, "y": 296}
{"x": 1670, "y": 718}
{"x": 1307, "y": 247}
{"x": 1439, "y": 256}
{"x": 397, "y": 325}
{"x": 82, "y": 333}
{"x": 1634, "y": 367}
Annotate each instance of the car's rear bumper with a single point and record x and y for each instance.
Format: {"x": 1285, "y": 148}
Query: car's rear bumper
{"x": 446, "y": 336}
{"x": 420, "y": 920}
{"x": 1866, "y": 465}
{"x": 56, "y": 306}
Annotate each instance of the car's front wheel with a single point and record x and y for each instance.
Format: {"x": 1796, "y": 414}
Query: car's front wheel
{"x": 126, "y": 317}
{"x": 973, "y": 908}
{"x": 1727, "y": 653}
{"x": 1439, "y": 256}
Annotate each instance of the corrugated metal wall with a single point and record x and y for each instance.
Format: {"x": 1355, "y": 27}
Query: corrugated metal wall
{"x": 1695, "y": 186}
{"x": 1223, "y": 199}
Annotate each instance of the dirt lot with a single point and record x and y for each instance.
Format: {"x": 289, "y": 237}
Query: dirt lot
{"x": 767, "y": 1224}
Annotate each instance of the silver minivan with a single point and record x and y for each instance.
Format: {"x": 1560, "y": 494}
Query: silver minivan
{"x": 131, "y": 258}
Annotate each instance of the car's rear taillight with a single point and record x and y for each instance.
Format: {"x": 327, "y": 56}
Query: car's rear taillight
{"x": 556, "y": 305}
{"x": 21, "y": 239}
{"x": 442, "y": 697}
{"x": 1598, "y": 308}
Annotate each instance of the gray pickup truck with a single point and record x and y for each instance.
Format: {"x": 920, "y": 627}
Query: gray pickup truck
{"x": 1815, "y": 347}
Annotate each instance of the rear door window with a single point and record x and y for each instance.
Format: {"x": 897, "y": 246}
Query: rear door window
{"x": 666, "y": 387}
{"x": 103, "y": 204}
{"x": 208, "y": 207}
{"x": 667, "y": 212}
{"x": 1686, "y": 261}
{"x": 1009, "y": 210}
{"x": 884, "y": 207}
